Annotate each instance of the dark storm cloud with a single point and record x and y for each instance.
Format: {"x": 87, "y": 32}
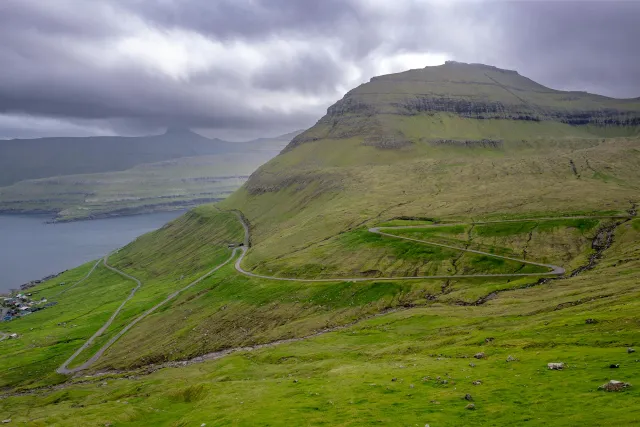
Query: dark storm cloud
{"x": 246, "y": 19}
{"x": 265, "y": 65}
{"x": 577, "y": 45}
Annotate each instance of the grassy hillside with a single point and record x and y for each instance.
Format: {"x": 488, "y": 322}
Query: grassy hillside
{"x": 240, "y": 350}
{"x": 308, "y": 195}
{"x": 409, "y": 366}
{"x": 478, "y": 154}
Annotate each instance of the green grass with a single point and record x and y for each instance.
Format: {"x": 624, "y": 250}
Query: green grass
{"x": 347, "y": 377}
{"x": 49, "y": 337}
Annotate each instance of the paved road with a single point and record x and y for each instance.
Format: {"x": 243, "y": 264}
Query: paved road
{"x": 555, "y": 270}
{"x": 64, "y": 368}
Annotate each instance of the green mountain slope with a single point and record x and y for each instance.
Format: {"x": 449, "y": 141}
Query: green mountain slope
{"x": 374, "y": 157}
{"x": 485, "y": 196}
{"x": 473, "y": 91}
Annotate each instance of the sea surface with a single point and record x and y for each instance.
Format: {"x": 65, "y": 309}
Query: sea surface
{"x": 31, "y": 249}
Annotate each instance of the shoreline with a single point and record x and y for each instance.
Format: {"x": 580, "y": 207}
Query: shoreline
{"x": 51, "y": 217}
{"x": 30, "y": 239}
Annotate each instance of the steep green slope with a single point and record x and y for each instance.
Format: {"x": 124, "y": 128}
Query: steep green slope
{"x": 472, "y": 91}
{"x": 372, "y": 157}
{"x": 412, "y": 366}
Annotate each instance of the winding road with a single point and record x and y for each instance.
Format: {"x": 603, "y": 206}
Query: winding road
{"x": 64, "y": 368}
{"x": 555, "y": 270}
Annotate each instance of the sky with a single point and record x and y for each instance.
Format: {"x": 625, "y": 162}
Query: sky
{"x": 240, "y": 69}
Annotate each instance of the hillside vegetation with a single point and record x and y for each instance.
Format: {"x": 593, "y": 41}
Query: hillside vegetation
{"x": 542, "y": 177}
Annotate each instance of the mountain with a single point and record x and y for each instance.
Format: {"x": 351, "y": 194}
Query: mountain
{"x": 189, "y": 177}
{"x": 276, "y": 143}
{"x": 393, "y": 265}
{"x": 384, "y": 110}
{"x": 450, "y": 140}
{"x": 22, "y": 159}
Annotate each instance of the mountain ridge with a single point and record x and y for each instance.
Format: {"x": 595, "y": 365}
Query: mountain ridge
{"x": 24, "y": 159}
{"x": 473, "y": 91}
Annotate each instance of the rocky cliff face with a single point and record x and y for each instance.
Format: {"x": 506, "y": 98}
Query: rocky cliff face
{"x": 472, "y": 91}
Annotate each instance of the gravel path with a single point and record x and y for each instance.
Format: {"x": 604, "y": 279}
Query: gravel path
{"x": 64, "y": 368}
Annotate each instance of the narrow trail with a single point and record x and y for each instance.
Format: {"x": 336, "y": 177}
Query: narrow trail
{"x": 557, "y": 272}
{"x": 79, "y": 281}
{"x": 64, "y": 368}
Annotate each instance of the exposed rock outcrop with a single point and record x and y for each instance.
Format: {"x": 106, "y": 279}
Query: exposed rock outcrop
{"x": 473, "y": 91}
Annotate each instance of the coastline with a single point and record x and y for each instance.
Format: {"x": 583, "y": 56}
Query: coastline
{"x": 53, "y": 216}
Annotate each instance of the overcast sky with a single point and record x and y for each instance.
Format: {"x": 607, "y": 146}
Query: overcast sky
{"x": 239, "y": 69}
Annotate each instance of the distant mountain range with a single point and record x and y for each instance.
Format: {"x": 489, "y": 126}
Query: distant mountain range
{"x": 22, "y": 159}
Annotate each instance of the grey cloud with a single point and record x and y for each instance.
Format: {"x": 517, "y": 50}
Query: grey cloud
{"x": 576, "y": 45}
{"x": 312, "y": 72}
{"x": 246, "y": 18}
{"x": 565, "y": 45}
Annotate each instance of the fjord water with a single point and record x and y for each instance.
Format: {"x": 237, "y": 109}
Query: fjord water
{"x": 31, "y": 249}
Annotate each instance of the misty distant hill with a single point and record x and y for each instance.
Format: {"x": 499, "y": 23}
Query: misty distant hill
{"x": 22, "y": 159}
{"x": 190, "y": 175}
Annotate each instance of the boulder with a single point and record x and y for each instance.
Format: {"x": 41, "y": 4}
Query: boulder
{"x": 480, "y": 355}
{"x": 468, "y": 397}
{"x": 614, "y": 385}
{"x": 631, "y": 350}
{"x": 511, "y": 359}
{"x": 470, "y": 406}
{"x": 555, "y": 366}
